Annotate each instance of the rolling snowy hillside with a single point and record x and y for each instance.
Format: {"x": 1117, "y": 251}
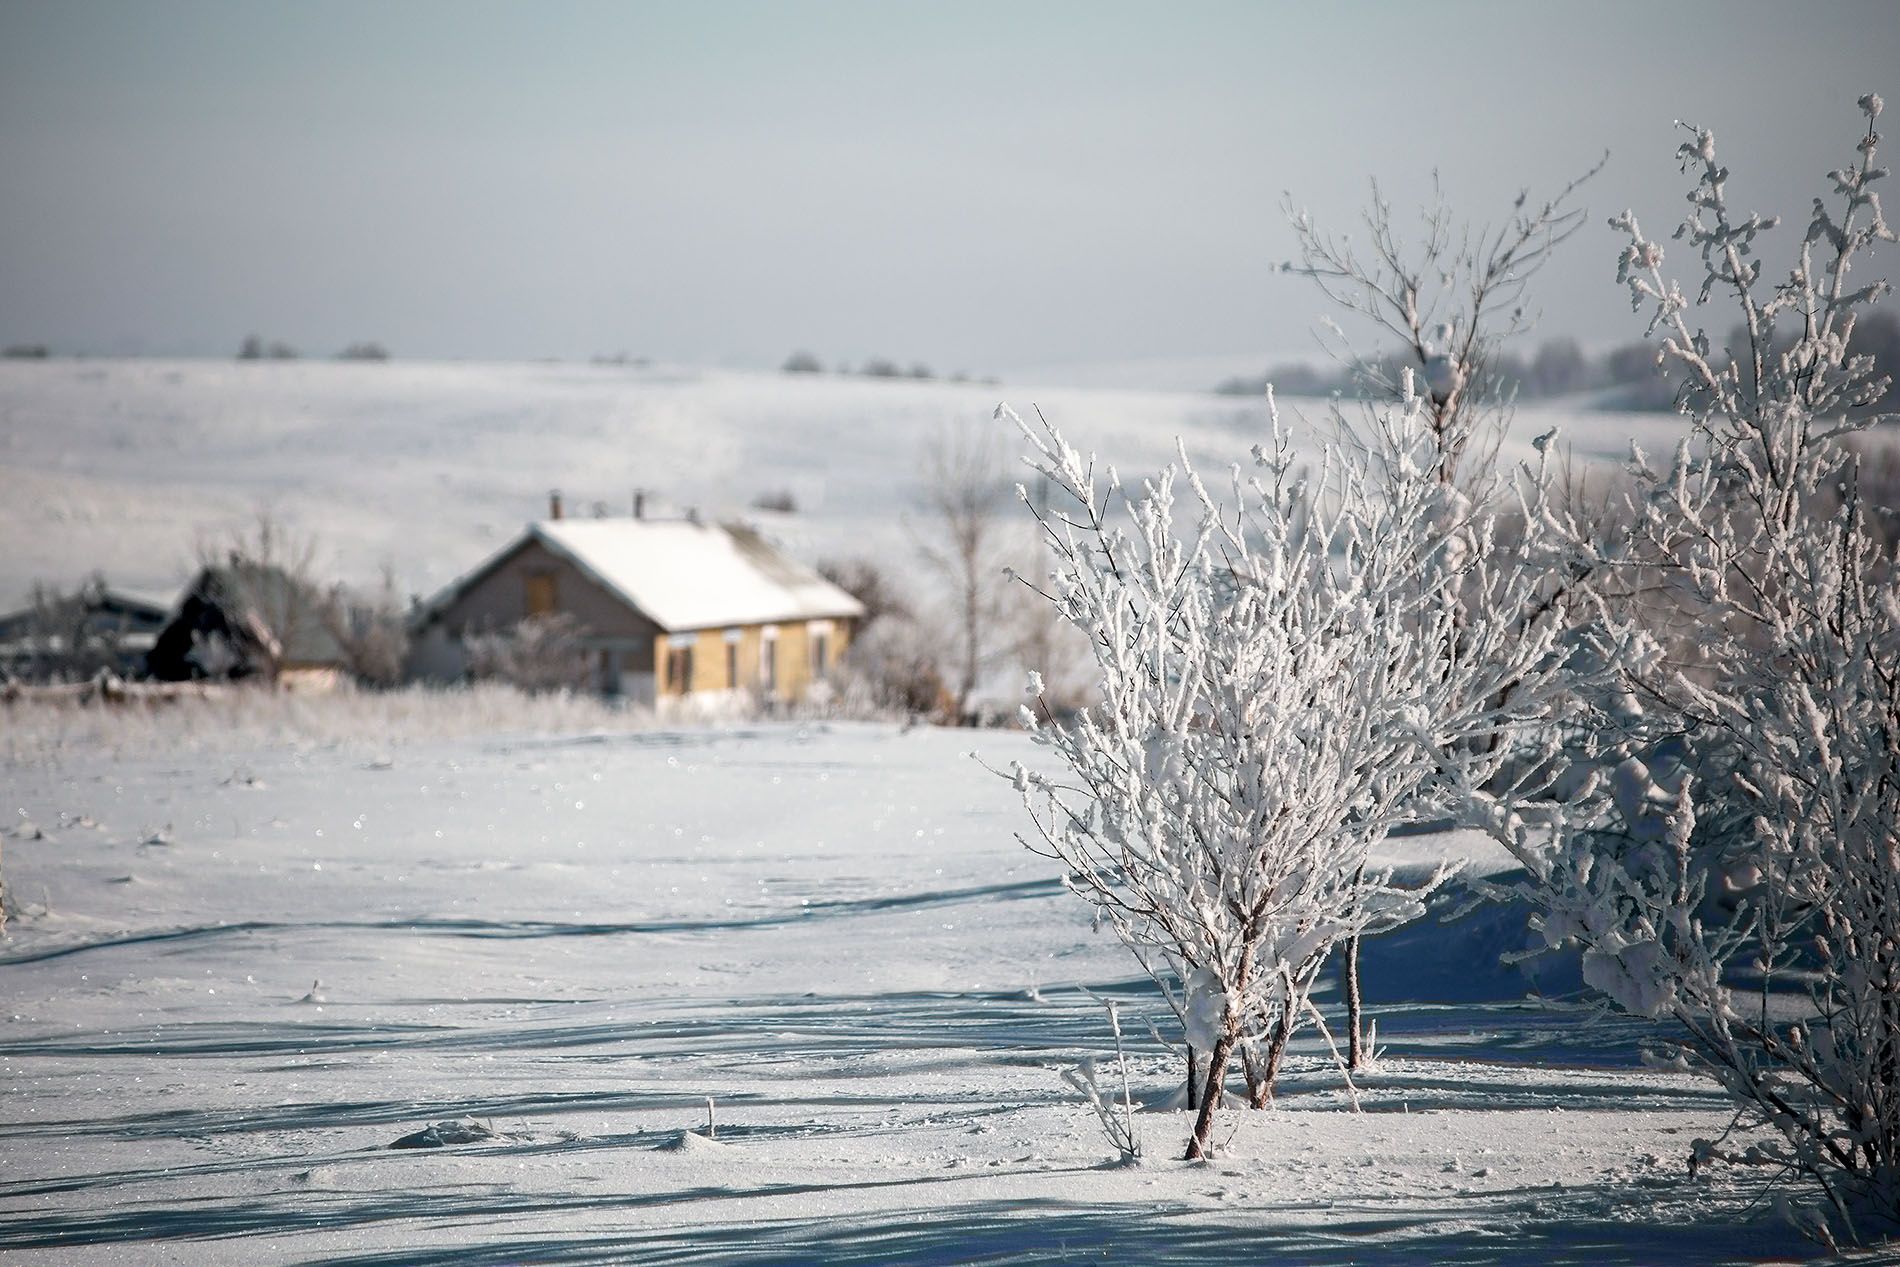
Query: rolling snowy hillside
{"x": 128, "y": 466}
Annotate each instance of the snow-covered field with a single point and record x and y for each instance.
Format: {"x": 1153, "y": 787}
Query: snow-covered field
{"x": 252, "y": 950}
{"x": 237, "y": 974}
{"x": 131, "y": 466}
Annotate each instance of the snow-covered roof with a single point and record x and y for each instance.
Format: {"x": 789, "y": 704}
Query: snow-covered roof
{"x": 685, "y": 575}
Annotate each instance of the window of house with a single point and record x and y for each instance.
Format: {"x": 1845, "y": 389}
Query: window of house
{"x": 679, "y": 670}
{"x": 732, "y": 665}
{"x": 768, "y": 662}
{"x": 540, "y": 593}
{"x": 818, "y": 640}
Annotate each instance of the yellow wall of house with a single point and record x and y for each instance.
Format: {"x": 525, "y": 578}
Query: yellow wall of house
{"x": 794, "y": 664}
{"x": 709, "y": 661}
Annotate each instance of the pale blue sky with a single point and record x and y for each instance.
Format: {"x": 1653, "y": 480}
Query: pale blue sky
{"x": 974, "y": 185}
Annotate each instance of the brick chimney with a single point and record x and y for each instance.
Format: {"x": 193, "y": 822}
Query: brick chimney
{"x": 554, "y": 504}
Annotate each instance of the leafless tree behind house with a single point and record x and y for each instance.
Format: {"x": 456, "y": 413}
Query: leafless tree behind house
{"x": 961, "y": 541}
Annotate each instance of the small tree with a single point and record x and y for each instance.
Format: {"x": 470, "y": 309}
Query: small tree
{"x": 892, "y": 662}
{"x": 1283, "y": 679}
{"x": 374, "y": 634}
{"x": 1451, "y": 297}
{"x": 67, "y": 636}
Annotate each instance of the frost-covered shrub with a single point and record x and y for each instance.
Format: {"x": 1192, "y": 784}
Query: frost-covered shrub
{"x": 373, "y": 633}
{"x": 1284, "y": 676}
{"x": 540, "y": 653}
{"x": 1738, "y": 869}
{"x": 1117, "y": 1119}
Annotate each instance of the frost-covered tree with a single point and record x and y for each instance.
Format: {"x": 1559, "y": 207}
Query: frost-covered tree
{"x": 1285, "y": 675}
{"x": 1450, "y": 294}
{"x": 1739, "y": 869}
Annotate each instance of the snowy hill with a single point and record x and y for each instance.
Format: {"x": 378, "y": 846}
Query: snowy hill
{"x": 128, "y": 466}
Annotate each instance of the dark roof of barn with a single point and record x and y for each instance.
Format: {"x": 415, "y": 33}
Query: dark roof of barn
{"x": 266, "y": 594}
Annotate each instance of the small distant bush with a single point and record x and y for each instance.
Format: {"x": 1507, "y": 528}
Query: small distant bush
{"x": 254, "y": 348}
{"x": 776, "y": 499}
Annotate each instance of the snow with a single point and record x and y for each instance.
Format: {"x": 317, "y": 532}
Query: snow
{"x": 688, "y": 575}
{"x": 256, "y": 941}
{"x": 575, "y": 939}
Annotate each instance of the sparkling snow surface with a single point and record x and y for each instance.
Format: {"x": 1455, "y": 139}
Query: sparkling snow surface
{"x": 236, "y": 977}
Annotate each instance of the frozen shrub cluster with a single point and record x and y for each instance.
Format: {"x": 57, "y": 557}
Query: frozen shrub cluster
{"x": 540, "y": 653}
{"x": 1739, "y": 869}
{"x": 1289, "y": 672}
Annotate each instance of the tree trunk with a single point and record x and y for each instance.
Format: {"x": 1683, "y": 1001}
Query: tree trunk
{"x": 1261, "y": 1078}
{"x": 1258, "y": 1092}
{"x": 972, "y": 620}
{"x": 1192, "y": 1102}
{"x": 1355, "y": 1043}
{"x": 1355, "y": 1030}
{"x": 1199, "y": 1146}
{"x": 1276, "y": 1054}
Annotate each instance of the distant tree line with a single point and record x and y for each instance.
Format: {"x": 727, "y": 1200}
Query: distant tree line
{"x": 256, "y": 348}
{"x": 1625, "y": 377}
{"x": 877, "y": 367}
